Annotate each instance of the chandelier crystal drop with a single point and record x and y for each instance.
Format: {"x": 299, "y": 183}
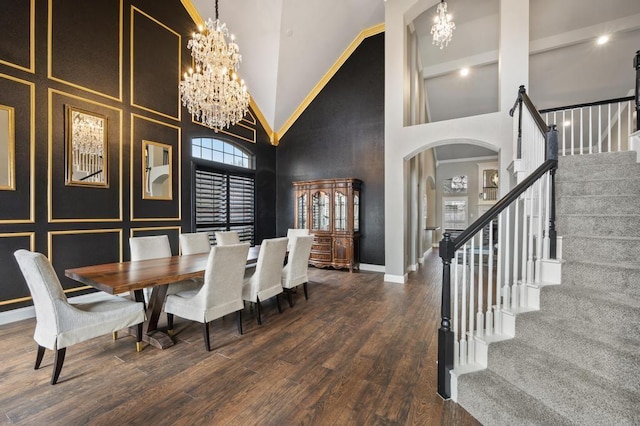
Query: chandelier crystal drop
{"x": 213, "y": 93}
{"x": 442, "y": 30}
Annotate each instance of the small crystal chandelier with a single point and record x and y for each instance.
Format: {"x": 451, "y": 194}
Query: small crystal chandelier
{"x": 213, "y": 93}
{"x": 442, "y": 30}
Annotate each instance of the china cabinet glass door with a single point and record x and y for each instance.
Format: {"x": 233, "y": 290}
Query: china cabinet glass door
{"x": 302, "y": 211}
{"x": 356, "y": 211}
{"x": 340, "y": 211}
{"x": 320, "y": 211}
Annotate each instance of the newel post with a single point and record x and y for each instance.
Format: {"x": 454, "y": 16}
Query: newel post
{"x": 445, "y": 334}
{"x": 552, "y": 154}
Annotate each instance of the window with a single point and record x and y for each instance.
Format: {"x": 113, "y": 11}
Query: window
{"x": 224, "y": 196}
{"x": 454, "y": 212}
{"x": 220, "y": 152}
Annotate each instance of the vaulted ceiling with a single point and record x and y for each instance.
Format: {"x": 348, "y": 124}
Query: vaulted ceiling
{"x": 288, "y": 46}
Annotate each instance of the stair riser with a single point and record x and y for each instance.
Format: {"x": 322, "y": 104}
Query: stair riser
{"x": 602, "y": 278}
{"x": 570, "y": 346}
{"x": 601, "y": 250}
{"x": 599, "y": 187}
{"x": 598, "y": 313}
{"x": 606, "y": 171}
{"x": 620, "y": 204}
{"x": 599, "y": 226}
{"x": 625, "y": 157}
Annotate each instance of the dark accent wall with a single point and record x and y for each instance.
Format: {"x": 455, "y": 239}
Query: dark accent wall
{"x": 93, "y": 46}
{"x": 341, "y": 134}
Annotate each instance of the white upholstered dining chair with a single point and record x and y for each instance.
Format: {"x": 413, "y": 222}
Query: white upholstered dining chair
{"x": 225, "y": 238}
{"x": 60, "y": 324}
{"x": 294, "y": 272}
{"x": 196, "y": 242}
{"x": 295, "y": 232}
{"x": 157, "y": 247}
{"x": 221, "y": 293}
{"x": 265, "y": 282}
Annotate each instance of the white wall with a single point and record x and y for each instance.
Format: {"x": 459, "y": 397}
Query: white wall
{"x": 401, "y": 143}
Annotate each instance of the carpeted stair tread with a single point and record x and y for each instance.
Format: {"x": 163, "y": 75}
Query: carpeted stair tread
{"x": 494, "y": 401}
{"x": 611, "y": 277}
{"x": 587, "y": 186}
{"x": 597, "y": 171}
{"x": 614, "y": 204}
{"x": 597, "y": 309}
{"x": 572, "y": 391}
{"x": 595, "y": 225}
{"x": 606, "y": 249}
{"x": 621, "y": 157}
{"x": 613, "y": 358}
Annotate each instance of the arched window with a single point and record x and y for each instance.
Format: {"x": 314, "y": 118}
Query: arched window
{"x": 224, "y": 196}
{"x": 221, "y": 152}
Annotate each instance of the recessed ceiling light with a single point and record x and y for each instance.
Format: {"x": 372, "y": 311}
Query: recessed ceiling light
{"x": 603, "y": 39}
{"x": 464, "y": 72}
{"x": 566, "y": 123}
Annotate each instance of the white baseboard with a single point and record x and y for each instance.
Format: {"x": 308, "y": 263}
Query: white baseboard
{"x": 28, "y": 312}
{"x": 400, "y": 279}
{"x": 372, "y": 268}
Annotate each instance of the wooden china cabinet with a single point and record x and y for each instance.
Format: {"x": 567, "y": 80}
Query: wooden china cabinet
{"x": 330, "y": 209}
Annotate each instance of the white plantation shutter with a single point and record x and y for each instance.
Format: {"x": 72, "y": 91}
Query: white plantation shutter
{"x": 225, "y": 201}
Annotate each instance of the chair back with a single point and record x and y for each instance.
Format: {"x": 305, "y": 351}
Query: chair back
{"x": 145, "y": 248}
{"x": 225, "y": 238}
{"x": 295, "y": 272}
{"x": 268, "y": 272}
{"x": 293, "y": 232}
{"x": 44, "y": 287}
{"x": 224, "y": 275}
{"x": 197, "y": 242}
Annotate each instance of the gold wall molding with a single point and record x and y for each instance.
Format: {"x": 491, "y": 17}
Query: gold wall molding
{"x": 132, "y": 73}
{"x": 78, "y": 86}
{"x": 32, "y": 155}
{"x": 131, "y": 177}
{"x": 50, "y": 159}
{"x": 32, "y": 42}
{"x": 248, "y": 122}
{"x": 32, "y": 247}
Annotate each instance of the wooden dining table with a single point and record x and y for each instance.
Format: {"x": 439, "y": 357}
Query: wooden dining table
{"x": 133, "y": 277}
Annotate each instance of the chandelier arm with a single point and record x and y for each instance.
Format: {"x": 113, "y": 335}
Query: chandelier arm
{"x": 217, "y": 9}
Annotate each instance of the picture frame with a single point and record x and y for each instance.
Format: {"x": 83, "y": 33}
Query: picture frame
{"x": 86, "y": 148}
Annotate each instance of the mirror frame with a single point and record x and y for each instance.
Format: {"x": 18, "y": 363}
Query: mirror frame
{"x": 11, "y": 157}
{"x": 145, "y": 170}
{"x": 69, "y": 181}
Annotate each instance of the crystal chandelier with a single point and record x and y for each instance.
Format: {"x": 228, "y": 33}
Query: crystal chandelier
{"x": 87, "y": 134}
{"x": 442, "y": 30}
{"x": 213, "y": 93}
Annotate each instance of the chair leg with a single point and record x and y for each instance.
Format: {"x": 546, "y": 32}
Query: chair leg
{"x": 205, "y": 332}
{"x": 290, "y": 297}
{"x": 239, "y": 321}
{"x": 170, "y": 324}
{"x": 57, "y": 365}
{"x": 258, "y": 319}
{"x": 39, "y": 357}
{"x": 139, "y": 337}
{"x": 306, "y": 295}
{"x": 114, "y": 335}
{"x": 278, "y": 303}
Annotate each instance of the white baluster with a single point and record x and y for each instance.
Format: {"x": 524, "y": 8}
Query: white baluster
{"x": 619, "y": 133}
{"x": 530, "y": 264}
{"x": 515, "y": 286}
{"x": 564, "y": 138}
{"x": 590, "y": 130}
{"x": 464, "y": 353}
{"x": 497, "y": 313}
{"x": 480, "y": 313}
{"x": 538, "y": 185}
{"x": 507, "y": 260}
{"x": 609, "y": 129}
{"x": 581, "y": 132}
{"x": 600, "y": 128}
{"x": 547, "y": 212}
{"x": 471, "y": 341}
{"x": 489, "y": 316}
{"x": 571, "y": 130}
{"x": 456, "y": 313}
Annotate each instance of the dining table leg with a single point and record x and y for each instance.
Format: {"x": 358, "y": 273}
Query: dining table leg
{"x": 150, "y": 332}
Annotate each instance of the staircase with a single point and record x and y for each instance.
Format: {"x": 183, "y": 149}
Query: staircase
{"x": 577, "y": 360}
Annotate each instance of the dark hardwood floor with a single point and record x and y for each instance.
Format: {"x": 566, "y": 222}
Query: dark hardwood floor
{"x": 359, "y": 351}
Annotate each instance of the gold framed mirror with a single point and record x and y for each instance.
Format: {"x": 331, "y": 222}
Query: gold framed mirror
{"x": 156, "y": 171}
{"x": 7, "y": 148}
{"x": 86, "y": 148}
